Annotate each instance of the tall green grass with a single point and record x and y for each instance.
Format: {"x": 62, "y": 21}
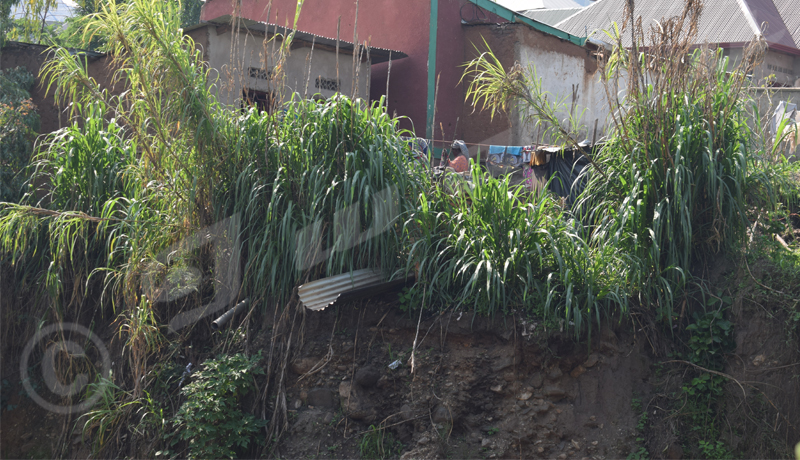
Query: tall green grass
{"x": 322, "y": 165}
{"x": 676, "y": 159}
{"x": 667, "y": 190}
{"x": 138, "y": 172}
{"x": 323, "y": 188}
{"x": 498, "y": 249}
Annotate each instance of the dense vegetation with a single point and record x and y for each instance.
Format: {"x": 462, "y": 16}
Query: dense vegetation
{"x": 137, "y": 175}
{"x": 19, "y": 124}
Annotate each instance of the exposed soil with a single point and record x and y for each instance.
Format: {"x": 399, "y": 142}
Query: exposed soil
{"x": 477, "y": 391}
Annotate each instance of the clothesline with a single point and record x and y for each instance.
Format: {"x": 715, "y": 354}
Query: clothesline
{"x": 431, "y": 141}
{"x": 465, "y": 143}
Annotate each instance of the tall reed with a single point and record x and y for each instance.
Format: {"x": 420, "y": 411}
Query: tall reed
{"x": 676, "y": 157}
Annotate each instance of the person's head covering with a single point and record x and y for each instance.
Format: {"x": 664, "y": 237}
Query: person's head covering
{"x": 422, "y": 145}
{"x": 461, "y": 147}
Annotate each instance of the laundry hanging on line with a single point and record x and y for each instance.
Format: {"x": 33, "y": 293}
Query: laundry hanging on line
{"x": 510, "y": 155}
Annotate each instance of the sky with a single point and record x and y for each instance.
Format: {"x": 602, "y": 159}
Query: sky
{"x": 63, "y": 11}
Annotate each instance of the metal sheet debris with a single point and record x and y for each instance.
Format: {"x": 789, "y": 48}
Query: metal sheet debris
{"x": 319, "y": 294}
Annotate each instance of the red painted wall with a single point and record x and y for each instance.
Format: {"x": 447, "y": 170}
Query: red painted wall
{"x": 450, "y": 58}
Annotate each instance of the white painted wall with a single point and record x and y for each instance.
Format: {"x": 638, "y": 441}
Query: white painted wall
{"x": 562, "y": 74}
{"x": 774, "y": 64}
{"x": 300, "y": 70}
{"x": 778, "y": 64}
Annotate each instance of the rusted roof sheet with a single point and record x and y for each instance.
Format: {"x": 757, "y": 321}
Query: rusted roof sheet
{"x": 722, "y": 21}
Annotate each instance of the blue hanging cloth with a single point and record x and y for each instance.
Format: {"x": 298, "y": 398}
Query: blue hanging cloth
{"x": 516, "y": 151}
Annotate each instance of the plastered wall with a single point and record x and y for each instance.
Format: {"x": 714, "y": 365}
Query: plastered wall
{"x": 569, "y": 75}
{"x": 232, "y": 60}
{"x": 564, "y": 68}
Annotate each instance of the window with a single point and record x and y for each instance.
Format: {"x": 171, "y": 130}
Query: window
{"x": 329, "y": 84}
{"x": 260, "y": 74}
{"x": 259, "y": 99}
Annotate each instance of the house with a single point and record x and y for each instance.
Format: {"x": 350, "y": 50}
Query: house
{"x": 567, "y": 66}
{"x": 728, "y": 24}
{"x": 244, "y": 56}
{"x": 439, "y": 36}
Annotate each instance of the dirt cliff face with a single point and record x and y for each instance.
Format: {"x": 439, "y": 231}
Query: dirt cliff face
{"x": 471, "y": 390}
{"x": 508, "y": 388}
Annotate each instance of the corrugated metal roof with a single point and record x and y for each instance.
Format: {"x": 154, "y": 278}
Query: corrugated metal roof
{"x": 722, "y": 21}
{"x": 376, "y": 54}
{"x": 790, "y": 12}
{"x": 319, "y": 294}
{"x": 513, "y": 16}
{"x": 550, "y": 16}
{"x": 765, "y": 11}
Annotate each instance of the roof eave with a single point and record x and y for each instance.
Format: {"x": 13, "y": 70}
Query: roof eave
{"x": 771, "y": 45}
{"x": 783, "y": 48}
{"x": 512, "y": 16}
{"x": 377, "y": 55}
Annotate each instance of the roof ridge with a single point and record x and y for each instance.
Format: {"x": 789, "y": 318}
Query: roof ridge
{"x": 748, "y": 15}
{"x": 777, "y": 31}
{"x": 557, "y": 9}
{"x": 581, "y": 11}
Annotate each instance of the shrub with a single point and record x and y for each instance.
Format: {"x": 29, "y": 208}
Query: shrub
{"x": 211, "y": 419}
{"x": 321, "y": 190}
{"x": 19, "y": 123}
{"x": 676, "y": 161}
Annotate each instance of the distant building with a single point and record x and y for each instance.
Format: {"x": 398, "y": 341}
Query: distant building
{"x": 439, "y": 36}
{"x": 32, "y": 56}
{"x": 728, "y": 24}
{"x": 245, "y": 66}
